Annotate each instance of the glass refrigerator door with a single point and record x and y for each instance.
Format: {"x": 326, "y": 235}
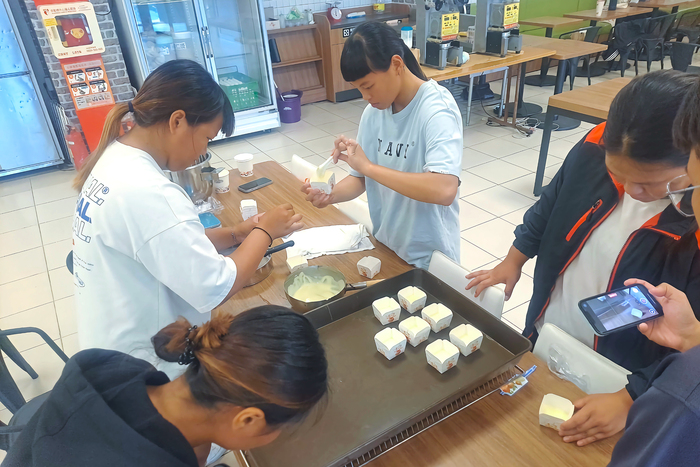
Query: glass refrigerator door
{"x": 168, "y": 30}
{"x": 240, "y": 52}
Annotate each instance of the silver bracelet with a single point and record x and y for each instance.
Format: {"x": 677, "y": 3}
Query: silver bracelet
{"x": 235, "y": 240}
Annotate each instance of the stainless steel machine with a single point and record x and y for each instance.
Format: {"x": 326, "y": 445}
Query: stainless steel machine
{"x": 438, "y": 23}
{"x": 497, "y": 29}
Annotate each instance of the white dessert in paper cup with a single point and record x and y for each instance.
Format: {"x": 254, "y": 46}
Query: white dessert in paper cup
{"x": 390, "y": 343}
{"x": 412, "y": 299}
{"x": 467, "y": 338}
{"x": 442, "y": 355}
{"x": 296, "y": 262}
{"x": 438, "y": 316}
{"x": 415, "y": 329}
{"x": 369, "y": 266}
{"x": 324, "y": 183}
{"x": 555, "y": 410}
{"x": 386, "y": 310}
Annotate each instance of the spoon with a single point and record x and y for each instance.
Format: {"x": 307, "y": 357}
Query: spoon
{"x": 322, "y": 168}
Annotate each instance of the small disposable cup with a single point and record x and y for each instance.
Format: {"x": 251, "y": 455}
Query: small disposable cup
{"x": 245, "y": 164}
{"x": 221, "y": 185}
{"x": 599, "y": 8}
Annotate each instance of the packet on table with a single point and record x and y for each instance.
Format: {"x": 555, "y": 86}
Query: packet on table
{"x": 249, "y": 208}
{"x": 390, "y": 343}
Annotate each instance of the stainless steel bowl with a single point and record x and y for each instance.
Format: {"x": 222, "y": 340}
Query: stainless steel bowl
{"x": 197, "y": 180}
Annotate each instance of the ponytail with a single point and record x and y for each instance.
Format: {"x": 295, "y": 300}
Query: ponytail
{"x": 370, "y": 48}
{"x": 176, "y": 85}
{"x": 110, "y": 132}
{"x": 268, "y": 357}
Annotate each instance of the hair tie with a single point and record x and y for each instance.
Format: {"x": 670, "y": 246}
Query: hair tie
{"x": 187, "y": 356}
{"x": 131, "y": 107}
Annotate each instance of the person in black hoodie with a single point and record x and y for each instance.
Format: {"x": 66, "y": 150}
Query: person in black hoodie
{"x": 247, "y": 377}
{"x": 605, "y": 218}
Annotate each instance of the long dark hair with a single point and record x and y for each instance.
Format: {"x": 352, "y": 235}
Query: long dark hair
{"x": 176, "y": 85}
{"x": 641, "y": 118}
{"x": 267, "y": 357}
{"x": 370, "y": 48}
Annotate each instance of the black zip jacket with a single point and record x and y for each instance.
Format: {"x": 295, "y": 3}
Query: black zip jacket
{"x": 99, "y": 414}
{"x": 579, "y": 198}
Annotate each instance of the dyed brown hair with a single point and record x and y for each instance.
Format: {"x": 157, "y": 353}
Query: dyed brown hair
{"x": 176, "y": 85}
{"x": 268, "y": 357}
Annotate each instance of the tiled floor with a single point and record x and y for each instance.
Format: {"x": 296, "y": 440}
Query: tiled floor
{"x": 36, "y": 216}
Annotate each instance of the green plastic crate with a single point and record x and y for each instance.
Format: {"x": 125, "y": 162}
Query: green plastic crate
{"x": 244, "y": 95}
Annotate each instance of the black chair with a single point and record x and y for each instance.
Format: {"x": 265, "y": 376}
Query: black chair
{"x": 682, "y": 56}
{"x": 9, "y": 433}
{"x": 591, "y": 34}
{"x": 686, "y": 26}
{"x": 10, "y": 395}
{"x": 624, "y": 39}
{"x": 651, "y": 44}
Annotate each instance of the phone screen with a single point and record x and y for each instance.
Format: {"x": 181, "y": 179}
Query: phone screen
{"x": 619, "y": 309}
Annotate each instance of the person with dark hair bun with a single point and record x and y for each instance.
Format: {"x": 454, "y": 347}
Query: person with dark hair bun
{"x": 141, "y": 257}
{"x": 606, "y": 217}
{"x": 246, "y": 379}
{"x": 408, "y": 153}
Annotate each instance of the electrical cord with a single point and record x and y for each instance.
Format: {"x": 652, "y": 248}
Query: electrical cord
{"x": 109, "y": 9}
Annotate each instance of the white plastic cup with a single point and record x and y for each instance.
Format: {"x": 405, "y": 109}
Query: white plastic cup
{"x": 245, "y": 164}
{"x": 599, "y": 8}
{"x": 221, "y": 185}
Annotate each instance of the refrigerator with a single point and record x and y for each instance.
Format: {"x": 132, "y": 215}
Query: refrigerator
{"x": 227, "y": 37}
{"x": 29, "y": 109}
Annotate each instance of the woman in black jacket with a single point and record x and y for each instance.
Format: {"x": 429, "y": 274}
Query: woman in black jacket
{"x": 603, "y": 219}
{"x": 247, "y": 378}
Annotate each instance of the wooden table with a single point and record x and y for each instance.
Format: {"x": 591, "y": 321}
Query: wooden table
{"x": 590, "y": 104}
{"x": 286, "y": 189}
{"x": 483, "y": 64}
{"x": 607, "y": 15}
{"x": 502, "y": 431}
{"x": 568, "y": 53}
{"x": 549, "y": 22}
{"x": 656, "y": 4}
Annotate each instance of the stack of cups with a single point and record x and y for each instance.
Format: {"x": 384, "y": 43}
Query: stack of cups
{"x": 221, "y": 183}
{"x": 244, "y": 162}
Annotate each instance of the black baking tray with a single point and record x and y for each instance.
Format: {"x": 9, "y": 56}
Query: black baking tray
{"x": 371, "y": 398}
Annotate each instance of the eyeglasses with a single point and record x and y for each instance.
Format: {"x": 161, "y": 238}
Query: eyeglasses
{"x": 676, "y": 189}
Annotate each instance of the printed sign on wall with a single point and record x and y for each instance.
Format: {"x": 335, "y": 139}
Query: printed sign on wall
{"x": 72, "y": 29}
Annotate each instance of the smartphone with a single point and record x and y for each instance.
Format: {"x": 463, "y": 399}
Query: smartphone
{"x": 620, "y": 309}
{"x": 255, "y": 185}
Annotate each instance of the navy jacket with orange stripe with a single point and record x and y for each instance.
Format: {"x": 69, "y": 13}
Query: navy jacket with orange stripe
{"x": 579, "y": 198}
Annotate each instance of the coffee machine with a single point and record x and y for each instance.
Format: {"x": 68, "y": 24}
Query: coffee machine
{"x": 437, "y": 31}
{"x": 497, "y": 28}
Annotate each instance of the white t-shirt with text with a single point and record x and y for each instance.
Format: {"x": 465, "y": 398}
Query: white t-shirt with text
{"x": 426, "y": 136}
{"x": 140, "y": 256}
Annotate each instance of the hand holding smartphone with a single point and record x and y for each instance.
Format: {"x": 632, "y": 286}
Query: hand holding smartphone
{"x": 620, "y": 309}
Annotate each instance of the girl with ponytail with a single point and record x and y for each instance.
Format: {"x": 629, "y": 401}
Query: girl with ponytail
{"x": 408, "y": 152}
{"x": 246, "y": 379}
{"x": 141, "y": 257}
